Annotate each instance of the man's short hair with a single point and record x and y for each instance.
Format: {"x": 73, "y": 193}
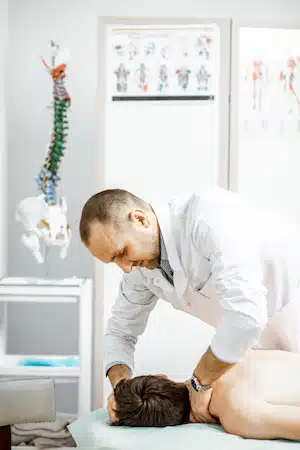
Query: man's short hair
{"x": 107, "y": 207}
{"x": 151, "y": 401}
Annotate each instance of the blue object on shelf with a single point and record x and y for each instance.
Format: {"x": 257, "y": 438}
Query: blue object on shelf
{"x": 72, "y": 361}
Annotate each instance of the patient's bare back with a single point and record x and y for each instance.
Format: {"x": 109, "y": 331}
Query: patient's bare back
{"x": 259, "y": 398}
{"x": 264, "y": 376}
{"x": 278, "y": 374}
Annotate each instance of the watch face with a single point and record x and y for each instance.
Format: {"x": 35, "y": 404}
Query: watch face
{"x": 194, "y": 384}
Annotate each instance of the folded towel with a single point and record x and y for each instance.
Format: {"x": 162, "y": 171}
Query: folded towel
{"x": 43, "y": 434}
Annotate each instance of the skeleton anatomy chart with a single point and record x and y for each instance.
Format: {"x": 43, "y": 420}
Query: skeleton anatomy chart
{"x": 159, "y": 63}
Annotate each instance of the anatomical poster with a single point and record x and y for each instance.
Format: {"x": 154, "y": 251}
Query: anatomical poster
{"x": 269, "y": 78}
{"x": 163, "y": 63}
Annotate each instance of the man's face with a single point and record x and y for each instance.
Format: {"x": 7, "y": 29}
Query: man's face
{"x": 134, "y": 242}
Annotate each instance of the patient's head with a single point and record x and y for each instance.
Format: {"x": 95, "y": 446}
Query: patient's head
{"x": 151, "y": 401}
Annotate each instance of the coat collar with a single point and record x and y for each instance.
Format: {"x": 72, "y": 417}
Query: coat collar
{"x": 164, "y": 217}
{"x": 163, "y": 250}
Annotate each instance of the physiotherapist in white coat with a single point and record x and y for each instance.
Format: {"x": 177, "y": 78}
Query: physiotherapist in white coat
{"x": 212, "y": 254}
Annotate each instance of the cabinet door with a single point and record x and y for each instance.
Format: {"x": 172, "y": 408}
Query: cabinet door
{"x": 159, "y": 148}
{"x": 265, "y": 132}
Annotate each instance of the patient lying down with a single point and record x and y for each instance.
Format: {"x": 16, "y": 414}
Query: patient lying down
{"x": 258, "y": 398}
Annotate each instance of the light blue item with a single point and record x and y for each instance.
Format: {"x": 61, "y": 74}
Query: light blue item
{"x": 94, "y": 432}
{"x": 72, "y": 361}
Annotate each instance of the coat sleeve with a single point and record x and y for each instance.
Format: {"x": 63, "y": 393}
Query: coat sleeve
{"x": 127, "y": 321}
{"x": 237, "y": 274}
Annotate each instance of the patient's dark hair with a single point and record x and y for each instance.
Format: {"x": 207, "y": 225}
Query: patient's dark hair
{"x": 151, "y": 401}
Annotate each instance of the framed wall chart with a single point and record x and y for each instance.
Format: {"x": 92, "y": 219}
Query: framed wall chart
{"x": 163, "y": 63}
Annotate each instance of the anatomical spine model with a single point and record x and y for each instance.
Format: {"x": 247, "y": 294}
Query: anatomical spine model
{"x": 44, "y": 217}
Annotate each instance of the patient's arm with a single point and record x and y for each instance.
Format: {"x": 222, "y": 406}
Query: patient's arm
{"x": 266, "y": 422}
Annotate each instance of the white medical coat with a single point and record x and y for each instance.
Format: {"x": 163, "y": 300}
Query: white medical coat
{"x": 236, "y": 267}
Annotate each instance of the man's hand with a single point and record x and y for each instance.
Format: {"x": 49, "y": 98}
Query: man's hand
{"x": 200, "y": 405}
{"x": 112, "y": 407}
{"x": 209, "y": 369}
{"x": 115, "y": 374}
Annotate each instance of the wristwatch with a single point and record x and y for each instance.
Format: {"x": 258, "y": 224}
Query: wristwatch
{"x": 197, "y": 386}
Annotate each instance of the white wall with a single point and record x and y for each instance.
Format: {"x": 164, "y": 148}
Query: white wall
{"x": 74, "y": 24}
{"x": 3, "y": 215}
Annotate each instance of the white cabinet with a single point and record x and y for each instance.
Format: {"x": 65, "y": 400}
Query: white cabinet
{"x": 51, "y": 291}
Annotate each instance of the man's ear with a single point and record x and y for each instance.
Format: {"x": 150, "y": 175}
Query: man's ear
{"x": 139, "y": 217}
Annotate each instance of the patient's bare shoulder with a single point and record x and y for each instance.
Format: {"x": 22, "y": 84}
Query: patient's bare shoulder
{"x": 224, "y": 391}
